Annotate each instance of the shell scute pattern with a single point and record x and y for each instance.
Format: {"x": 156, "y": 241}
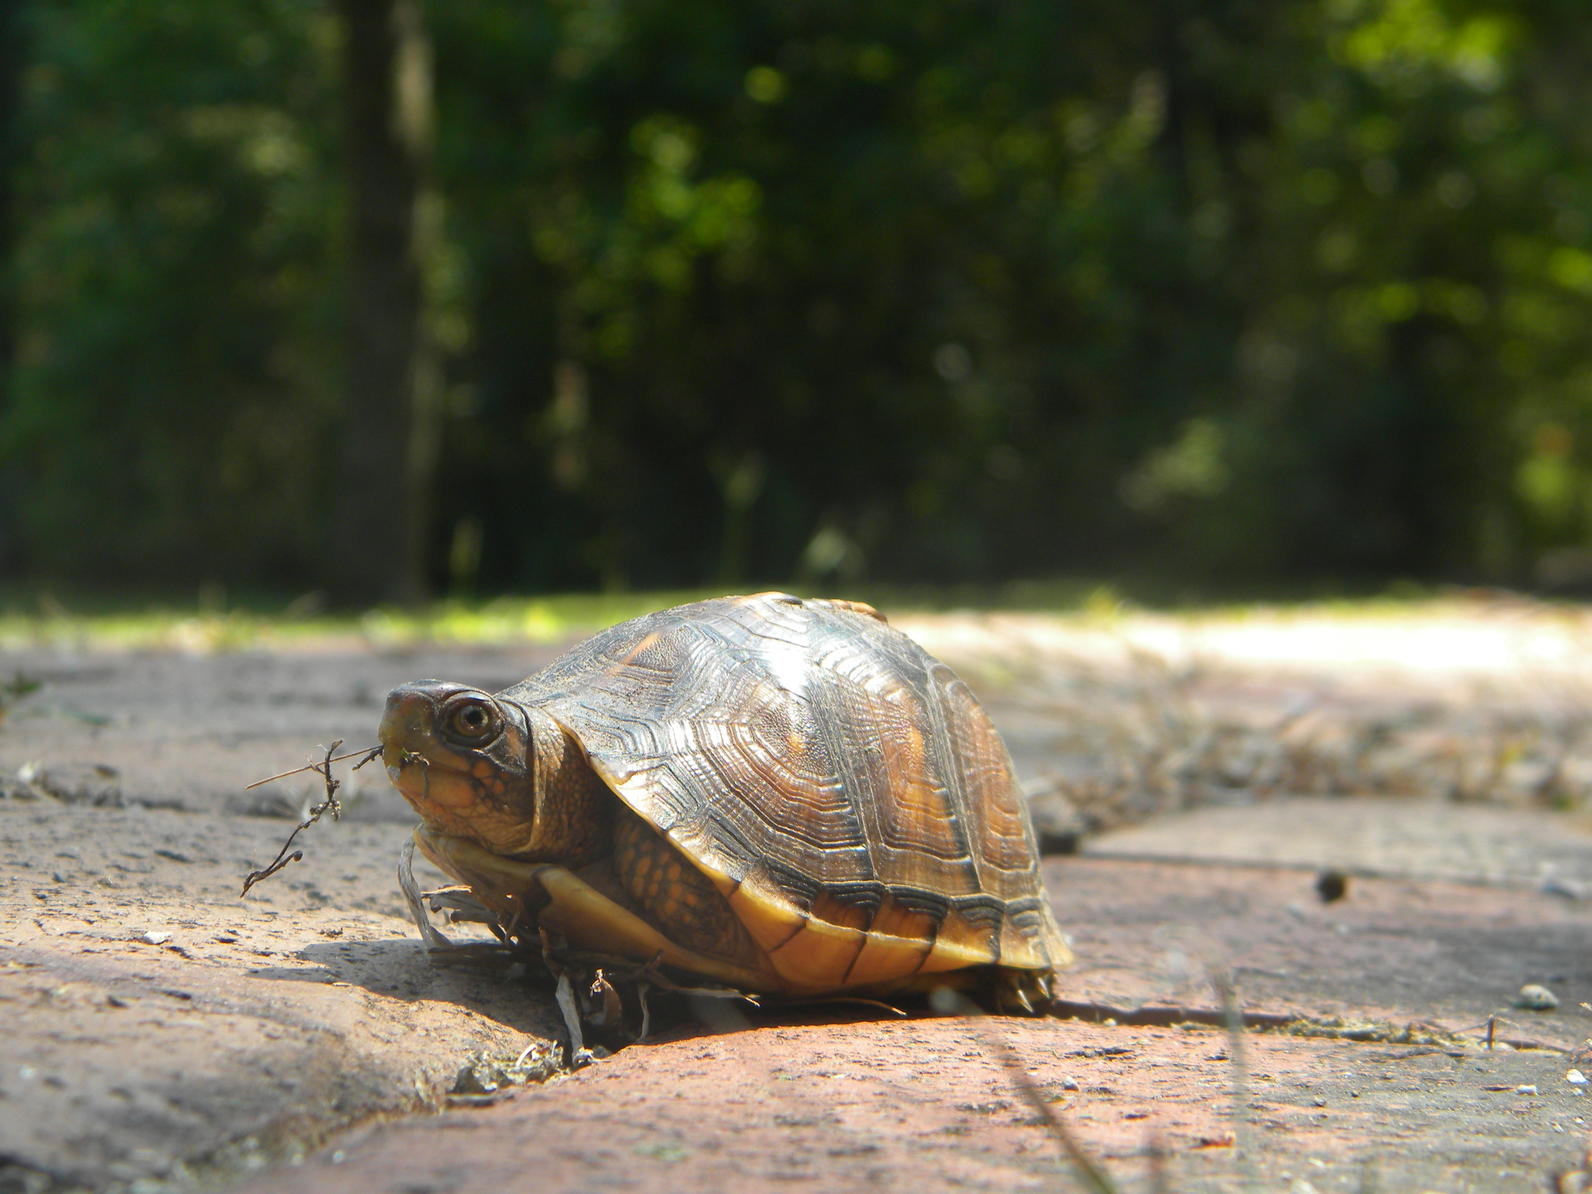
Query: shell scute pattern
{"x": 813, "y": 758}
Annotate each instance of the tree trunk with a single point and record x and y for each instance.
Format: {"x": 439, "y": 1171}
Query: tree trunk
{"x": 13, "y": 53}
{"x": 383, "y": 502}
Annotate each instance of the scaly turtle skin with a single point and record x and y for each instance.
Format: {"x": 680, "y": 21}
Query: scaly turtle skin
{"x": 787, "y": 797}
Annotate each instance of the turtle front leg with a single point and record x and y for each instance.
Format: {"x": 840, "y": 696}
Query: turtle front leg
{"x": 577, "y": 1055}
{"x": 670, "y": 892}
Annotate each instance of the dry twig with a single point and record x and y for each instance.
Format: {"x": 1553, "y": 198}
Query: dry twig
{"x": 330, "y": 805}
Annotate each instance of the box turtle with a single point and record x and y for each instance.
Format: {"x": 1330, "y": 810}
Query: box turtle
{"x": 786, "y": 797}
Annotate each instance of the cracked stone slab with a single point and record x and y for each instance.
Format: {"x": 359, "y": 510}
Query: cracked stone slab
{"x": 161, "y": 1030}
{"x": 930, "y": 1105}
{"x": 1424, "y": 839}
{"x": 842, "y": 1103}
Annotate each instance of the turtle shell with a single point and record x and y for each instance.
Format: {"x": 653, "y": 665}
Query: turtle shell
{"x": 842, "y": 789}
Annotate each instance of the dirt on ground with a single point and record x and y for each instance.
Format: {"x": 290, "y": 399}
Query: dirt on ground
{"x": 1380, "y": 863}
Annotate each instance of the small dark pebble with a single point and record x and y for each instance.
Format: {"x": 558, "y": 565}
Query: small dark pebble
{"x": 1332, "y": 885}
{"x": 1058, "y": 841}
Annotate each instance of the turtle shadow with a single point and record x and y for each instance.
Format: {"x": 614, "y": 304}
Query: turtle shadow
{"x": 697, "y": 1017}
{"x": 401, "y": 968}
{"x": 522, "y": 997}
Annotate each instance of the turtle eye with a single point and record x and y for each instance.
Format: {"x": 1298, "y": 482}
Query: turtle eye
{"x": 472, "y": 721}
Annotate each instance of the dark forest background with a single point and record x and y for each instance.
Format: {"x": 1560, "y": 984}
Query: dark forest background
{"x": 384, "y": 298}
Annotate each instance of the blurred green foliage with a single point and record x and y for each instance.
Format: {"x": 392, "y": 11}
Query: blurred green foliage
{"x": 1233, "y": 289}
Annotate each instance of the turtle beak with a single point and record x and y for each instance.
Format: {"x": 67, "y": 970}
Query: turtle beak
{"x": 408, "y": 727}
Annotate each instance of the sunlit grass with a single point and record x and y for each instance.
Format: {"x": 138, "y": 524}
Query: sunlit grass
{"x": 205, "y": 625}
{"x": 209, "y": 621}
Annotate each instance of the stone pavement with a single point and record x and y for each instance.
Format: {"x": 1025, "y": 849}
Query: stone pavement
{"x": 164, "y": 1036}
{"x": 932, "y": 1103}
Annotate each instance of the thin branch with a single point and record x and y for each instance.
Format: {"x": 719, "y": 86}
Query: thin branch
{"x": 330, "y": 805}
{"x": 369, "y": 754}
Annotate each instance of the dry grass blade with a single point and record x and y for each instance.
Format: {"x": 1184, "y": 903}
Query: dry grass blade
{"x": 1089, "y": 1172}
{"x": 1227, "y": 996}
{"x": 15, "y": 689}
{"x": 364, "y": 757}
{"x": 330, "y": 805}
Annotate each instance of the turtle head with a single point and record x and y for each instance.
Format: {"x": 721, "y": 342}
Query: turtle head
{"x": 463, "y": 759}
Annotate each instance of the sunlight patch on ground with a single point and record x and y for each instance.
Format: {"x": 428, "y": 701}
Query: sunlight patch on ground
{"x": 1433, "y": 640}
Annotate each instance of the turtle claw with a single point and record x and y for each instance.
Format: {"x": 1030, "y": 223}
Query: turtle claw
{"x": 576, "y": 1052}
{"x": 429, "y": 933}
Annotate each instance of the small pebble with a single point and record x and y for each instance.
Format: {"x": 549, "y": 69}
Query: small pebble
{"x": 1567, "y": 888}
{"x": 155, "y": 938}
{"x": 1526, "y": 1090}
{"x": 1332, "y": 885}
{"x": 1575, "y": 1078}
{"x": 1535, "y": 997}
